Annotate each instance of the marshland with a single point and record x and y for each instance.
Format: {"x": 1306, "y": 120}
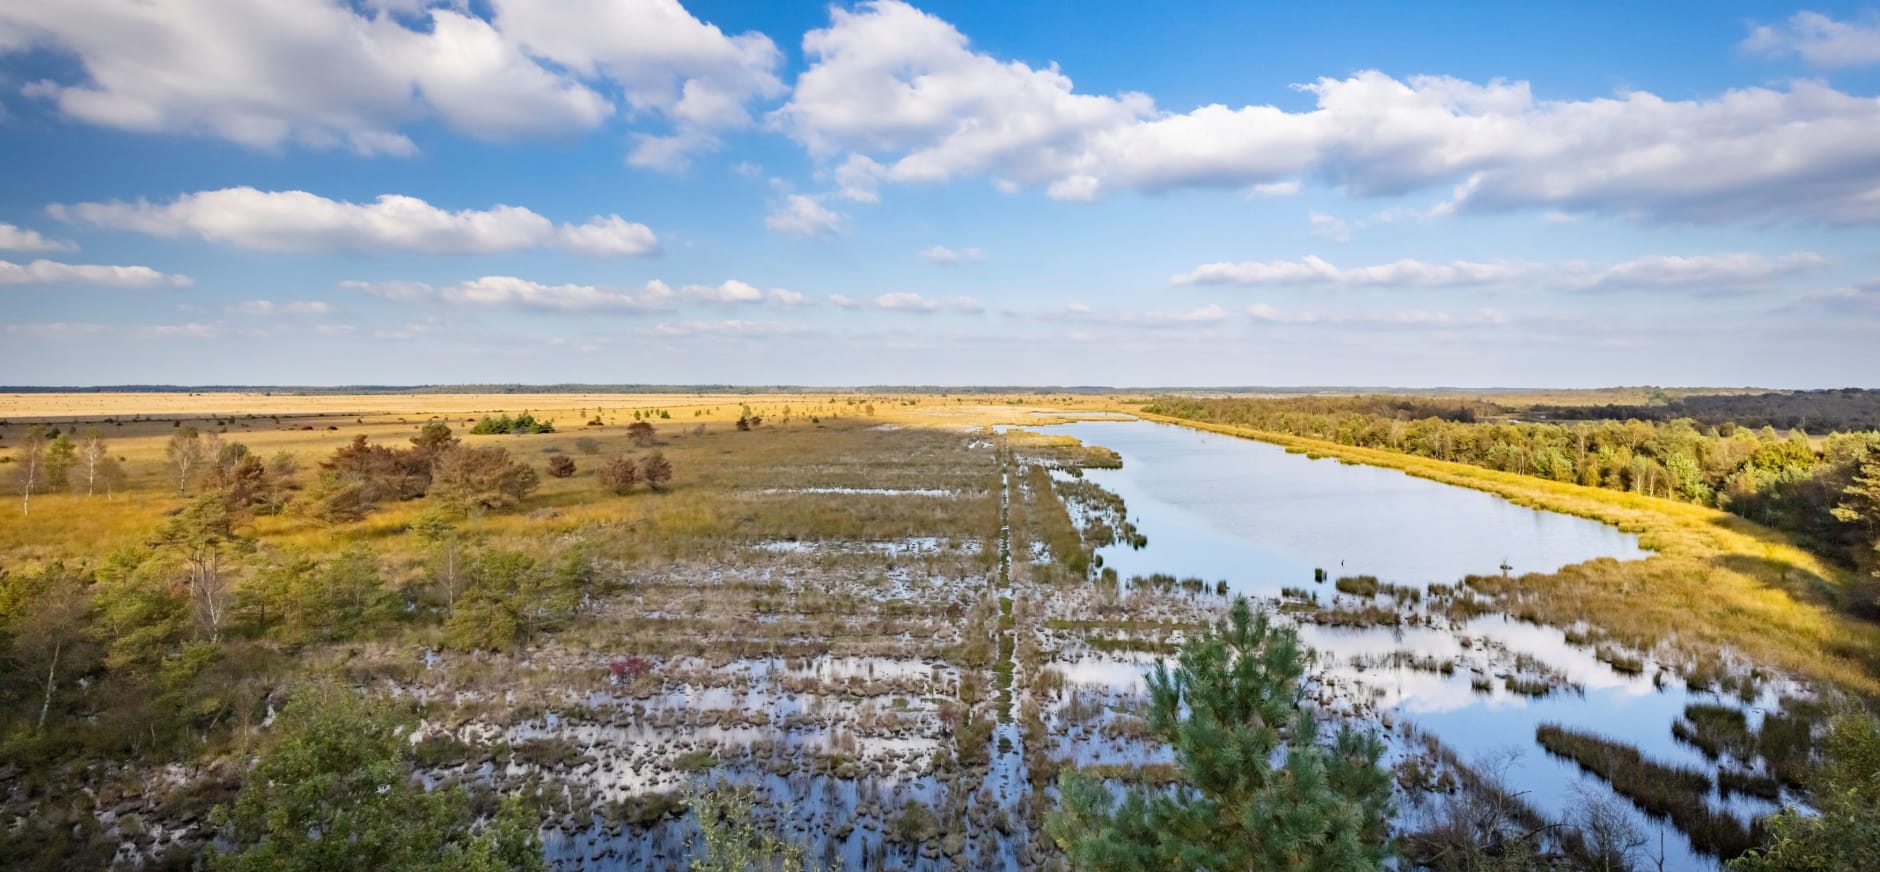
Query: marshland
{"x": 878, "y": 630}
{"x": 512, "y": 435}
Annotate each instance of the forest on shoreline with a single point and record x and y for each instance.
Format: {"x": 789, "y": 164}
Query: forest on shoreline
{"x": 1823, "y": 490}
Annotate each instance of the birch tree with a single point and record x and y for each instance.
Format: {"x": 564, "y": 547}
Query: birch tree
{"x": 94, "y": 458}
{"x": 44, "y": 618}
{"x": 203, "y": 534}
{"x": 185, "y": 453}
{"x": 29, "y": 468}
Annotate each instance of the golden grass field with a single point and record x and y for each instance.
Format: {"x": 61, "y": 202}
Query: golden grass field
{"x": 137, "y": 428}
{"x": 1718, "y": 579}
{"x": 55, "y": 406}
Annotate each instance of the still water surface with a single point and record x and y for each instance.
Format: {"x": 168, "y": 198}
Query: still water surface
{"x": 1223, "y": 508}
{"x": 1216, "y": 507}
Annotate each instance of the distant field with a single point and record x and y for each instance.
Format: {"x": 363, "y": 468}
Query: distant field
{"x": 439, "y": 400}
{"x": 132, "y": 413}
{"x": 95, "y": 406}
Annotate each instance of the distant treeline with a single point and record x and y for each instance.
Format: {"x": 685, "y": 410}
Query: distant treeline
{"x": 1826, "y": 494}
{"x": 1816, "y": 411}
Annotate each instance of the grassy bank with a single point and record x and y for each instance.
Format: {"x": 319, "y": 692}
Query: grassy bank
{"x": 1715, "y": 582}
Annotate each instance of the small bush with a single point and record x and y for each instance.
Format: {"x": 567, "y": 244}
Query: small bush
{"x": 481, "y": 478}
{"x": 627, "y": 669}
{"x": 522, "y": 424}
{"x": 656, "y": 469}
{"x": 618, "y": 476}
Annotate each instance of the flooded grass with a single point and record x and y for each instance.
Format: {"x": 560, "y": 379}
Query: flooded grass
{"x": 1786, "y": 738}
{"x": 1716, "y": 730}
{"x": 1620, "y": 661}
{"x": 1365, "y": 615}
{"x": 1678, "y": 793}
{"x": 1531, "y": 687}
{"x": 1357, "y": 585}
{"x": 1736, "y": 781}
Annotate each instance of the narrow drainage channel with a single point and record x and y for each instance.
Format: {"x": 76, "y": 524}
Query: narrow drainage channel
{"x": 1007, "y": 638}
{"x": 1005, "y": 516}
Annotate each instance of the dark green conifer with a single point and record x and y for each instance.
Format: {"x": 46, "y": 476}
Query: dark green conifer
{"x": 1261, "y": 792}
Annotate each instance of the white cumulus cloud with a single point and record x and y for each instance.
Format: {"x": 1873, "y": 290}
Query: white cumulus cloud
{"x": 802, "y": 215}
{"x": 303, "y": 222}
{"x": 1705, "y": 272}
{"x": 526, "y": 294}
{"x": 49, "y": 272}
{"x": 730, "y": 291}
{"x": 308, "y": 72}
{"x": 893, "y": 94}
{"x": 608, "y": 236}
{"x": 736, "y": 292}
{"x": 1819, "y": 40}
{"x": 14, "y": 238}
{"x": 325, "y": 74}
{"x": 1314, "y": 270}
{"x": 665, "y": 60}
{"x": 788, "y": 298}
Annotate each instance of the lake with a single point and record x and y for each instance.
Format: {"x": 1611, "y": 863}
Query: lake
{"x": 1218, "y": 507}
{"x": 1250, "y": 513}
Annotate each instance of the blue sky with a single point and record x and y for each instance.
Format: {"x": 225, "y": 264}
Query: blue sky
{"x": 312, "y": 192}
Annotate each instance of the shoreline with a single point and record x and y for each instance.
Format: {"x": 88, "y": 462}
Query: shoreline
{"x": 1756, "y": 590}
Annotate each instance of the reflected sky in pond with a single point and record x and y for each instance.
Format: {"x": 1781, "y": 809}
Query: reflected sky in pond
{"x": 1220, "y": 507}
{"x": 1209, "y": 502}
